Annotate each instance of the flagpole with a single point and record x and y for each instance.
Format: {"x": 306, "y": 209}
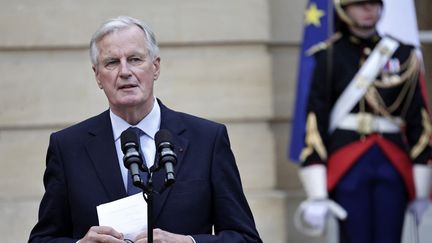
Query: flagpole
{"x": 332, "y": 232}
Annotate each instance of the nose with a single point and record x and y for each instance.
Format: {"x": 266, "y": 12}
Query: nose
{"x": 125, "y": 71}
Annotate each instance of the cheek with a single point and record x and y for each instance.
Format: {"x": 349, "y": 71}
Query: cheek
{"x": 106, "y": 78}
{"x": 378, "y": 14}
{"x": 145, "y": 75}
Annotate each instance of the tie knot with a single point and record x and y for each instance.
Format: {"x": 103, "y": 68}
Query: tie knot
{"x": 136, "y": 130}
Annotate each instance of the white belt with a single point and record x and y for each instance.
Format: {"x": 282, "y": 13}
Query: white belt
{"x": 367, "y": 123}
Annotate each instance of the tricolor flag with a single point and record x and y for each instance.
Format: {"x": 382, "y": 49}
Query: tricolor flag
{"x": 404, "y": 29}
{"x": 318, "y": 21}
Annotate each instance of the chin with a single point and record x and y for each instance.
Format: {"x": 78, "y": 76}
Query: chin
{"x": 368, "y": 26}
{"x": 127, "y": 102}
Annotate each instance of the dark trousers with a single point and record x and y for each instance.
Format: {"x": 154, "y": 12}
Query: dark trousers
{"x": 375, "y": 197}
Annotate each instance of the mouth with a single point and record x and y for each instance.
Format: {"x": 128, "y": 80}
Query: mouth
{"x": 127, "y": 86}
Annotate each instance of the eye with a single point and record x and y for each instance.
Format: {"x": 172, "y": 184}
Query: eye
{"x": 111, "y": 64}
{"x": 135, "y": 60}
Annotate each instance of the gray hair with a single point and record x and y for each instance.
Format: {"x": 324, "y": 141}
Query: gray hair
{"x": 119, "y": 23}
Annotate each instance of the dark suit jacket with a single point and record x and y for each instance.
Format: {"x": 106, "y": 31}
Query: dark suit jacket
{"x": 82, "y": 172}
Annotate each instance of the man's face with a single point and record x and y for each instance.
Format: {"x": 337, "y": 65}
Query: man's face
{"x": 364, "y": 15}
{"x": 125, "y": 71}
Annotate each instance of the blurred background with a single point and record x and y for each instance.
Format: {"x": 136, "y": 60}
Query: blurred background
{"x": 230, "y": 61}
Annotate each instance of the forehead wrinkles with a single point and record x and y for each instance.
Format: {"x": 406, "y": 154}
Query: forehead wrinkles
{"x": 123, "y": 43}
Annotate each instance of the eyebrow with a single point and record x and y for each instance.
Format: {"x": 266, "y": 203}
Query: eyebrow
{"x": 109, "y": 59}
{"x": 135, "y": 53}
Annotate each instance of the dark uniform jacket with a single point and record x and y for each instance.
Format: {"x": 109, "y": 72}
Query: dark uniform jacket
{"x": 395, "y": 94}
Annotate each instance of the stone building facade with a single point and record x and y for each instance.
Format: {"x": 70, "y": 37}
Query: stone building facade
{"x": 231, "y": 61}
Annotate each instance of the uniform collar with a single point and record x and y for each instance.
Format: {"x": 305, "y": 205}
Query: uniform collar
{"x": 370, "y": 41}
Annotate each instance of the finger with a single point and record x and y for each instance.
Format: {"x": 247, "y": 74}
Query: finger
{"x": 162, "y": 236}
{"x": 106, "y": 230}
{"x": 159, "y": 234}
{"x": 93, "y": 236}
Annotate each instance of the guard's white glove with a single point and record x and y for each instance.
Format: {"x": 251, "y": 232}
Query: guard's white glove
{"x": 422, "y": 182}
{"x": 418, "y": 208}
{"x": 315, "y": 213}
{"x": 311, "y": 216}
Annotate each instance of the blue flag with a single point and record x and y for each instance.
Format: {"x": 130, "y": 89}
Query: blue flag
{"x": 318, "y": 21}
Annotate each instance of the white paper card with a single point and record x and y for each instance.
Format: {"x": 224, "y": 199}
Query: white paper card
{"x": 127, "y": 215}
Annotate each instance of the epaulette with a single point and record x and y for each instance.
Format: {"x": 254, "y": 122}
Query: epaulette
{"x": 323, "y": 44}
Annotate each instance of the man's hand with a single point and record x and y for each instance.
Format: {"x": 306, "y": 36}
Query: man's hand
{"x": 102, "y": 234}
{"x": 161, "y": 236}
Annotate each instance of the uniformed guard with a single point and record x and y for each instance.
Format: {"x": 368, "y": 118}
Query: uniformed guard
{"x": 367, "y": 144}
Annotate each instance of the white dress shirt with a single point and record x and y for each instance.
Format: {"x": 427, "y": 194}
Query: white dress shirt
{"x": 149, "y": 125}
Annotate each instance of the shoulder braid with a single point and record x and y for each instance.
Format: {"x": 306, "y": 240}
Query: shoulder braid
{"x": 323, "y": 44}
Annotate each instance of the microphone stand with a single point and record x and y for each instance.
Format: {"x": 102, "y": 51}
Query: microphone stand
{"x": 148, "y": 193}
{"x": 130, "y": 144}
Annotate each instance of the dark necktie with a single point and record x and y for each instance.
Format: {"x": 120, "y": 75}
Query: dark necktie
{"x": 131, "y": 189}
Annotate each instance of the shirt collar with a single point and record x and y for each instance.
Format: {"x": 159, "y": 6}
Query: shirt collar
{"x": 150, "y": 124}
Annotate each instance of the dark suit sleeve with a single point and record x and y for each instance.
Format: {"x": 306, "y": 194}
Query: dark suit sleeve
{"x": 233, "y": 220}
{"x": 54, "y": 224}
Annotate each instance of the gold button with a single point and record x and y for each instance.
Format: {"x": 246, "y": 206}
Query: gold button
{"x": 367, "y": 51}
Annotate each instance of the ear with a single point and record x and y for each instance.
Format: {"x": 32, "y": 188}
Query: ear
{"x": 96, "y": 76}
{"x": 156, "y": 66}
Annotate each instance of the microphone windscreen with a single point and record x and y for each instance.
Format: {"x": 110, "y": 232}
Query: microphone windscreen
{"x": 128, "y": 136}
{"x": 163, "y": 135}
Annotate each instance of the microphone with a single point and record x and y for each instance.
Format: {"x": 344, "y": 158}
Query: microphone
{"x": 132, "y": 159}
{"x": 167, "y": 157}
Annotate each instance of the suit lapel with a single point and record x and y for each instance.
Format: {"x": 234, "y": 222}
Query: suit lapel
{"x": 102, "y": 151}
{"x": 171, "y": 121}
